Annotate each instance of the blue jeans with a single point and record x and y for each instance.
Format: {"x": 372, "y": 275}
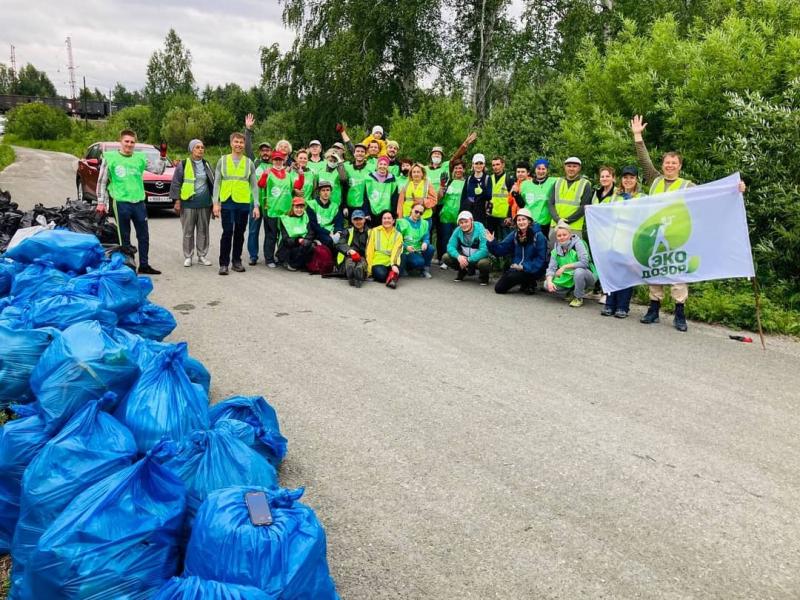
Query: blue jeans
{"x": 417, "y": 260}
{"x": 253, "y": 232}
{"x": 234, "y": 222}
{"x": 124, "y": 213}
{"x": 620, "y": 300}
{"x": 380, "y": 273}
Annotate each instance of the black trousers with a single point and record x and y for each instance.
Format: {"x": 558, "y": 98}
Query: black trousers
{"x": 234, "y": 224}
{"x": 512, "y": 278}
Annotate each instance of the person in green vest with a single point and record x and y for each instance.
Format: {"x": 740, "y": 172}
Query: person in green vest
{"x": 405, "y": 165}
{"x": 569, "y": 196}
{"x": 120, "y": 180}
{"x": 329, "y": 214}
{"x": 309, "y": 177}
{"x": 449, "y": 206}
{"x": 316, "y": 162}
{"x": 235, "y": 197}
{"x": 191, "y": 187}
{"x": 351, "y": 259}
{"x": 301, "y": 236}
{"x": 498, "y": 210}
{"x": 570, "y": 268}
{"x": 392, "y": 150}
{"x": 254, "y": 225}
{"x": 417, "y": 248}
{"x": 278, "y": 183}
{"x": 380, "y": 190}
{"x": 618, "y": 304}
{"x": 357, "y": 172}
{"x": 335, "y": 174}
{"x": 533, "y": 193}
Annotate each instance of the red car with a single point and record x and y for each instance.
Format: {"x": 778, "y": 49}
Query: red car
{"x": 156, "y": 187}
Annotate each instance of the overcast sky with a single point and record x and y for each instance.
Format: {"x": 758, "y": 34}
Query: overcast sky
{"x": 113, "y": 40}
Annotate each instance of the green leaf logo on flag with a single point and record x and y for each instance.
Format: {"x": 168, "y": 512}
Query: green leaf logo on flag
{"x": 663, "y": 232}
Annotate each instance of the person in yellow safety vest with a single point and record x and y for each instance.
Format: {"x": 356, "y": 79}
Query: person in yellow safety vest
{"x": 418, "y": 190}
{"x": 385, "y": 251}
{"x": 352, "y": 247}
{"x": 569, "y": 196}
{"x": 235, "y": 197}
{"x": 668, "y": 180}
{"x": 570, "y": 267}
{"x": 191, "y": 187}
{"x": 498, "y": 209}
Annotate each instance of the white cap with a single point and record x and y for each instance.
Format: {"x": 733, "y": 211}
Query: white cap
{"x": 377, "y": 129}
{"x": 478, "y": 158}
{"x": 574, "y": 160}
{"x": 464, "y": 214}
{"x": 313, "y": 142}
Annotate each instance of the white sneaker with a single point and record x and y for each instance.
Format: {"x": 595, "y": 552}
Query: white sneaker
{"x": 272, "y": 265}
{"x": 187, "y": 262}
{"x": 426, "y": 273}
{"x": 602, "y": 299}
{"x": 443, "y": 267}
{"x": 204, "y": 261}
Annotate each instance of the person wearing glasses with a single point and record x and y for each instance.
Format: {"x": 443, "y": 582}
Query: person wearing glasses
{"x": 417, "y": 248}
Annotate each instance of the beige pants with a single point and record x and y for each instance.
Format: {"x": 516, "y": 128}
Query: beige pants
{"x": 679, "y": 292}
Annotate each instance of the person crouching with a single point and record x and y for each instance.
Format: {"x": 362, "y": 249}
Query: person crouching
{"x": 302, "y": 240}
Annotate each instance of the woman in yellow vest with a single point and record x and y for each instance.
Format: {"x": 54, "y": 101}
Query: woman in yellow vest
{"x": 384, "y": 251}
{"x": 418, "y": 190}
{"x": 191, "y": 187}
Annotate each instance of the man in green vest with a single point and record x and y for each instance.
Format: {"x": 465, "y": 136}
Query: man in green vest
{"x": 329, "y": 215}
{"x": 120, "y": 180}
{"x": 417, "y": 248}
{"x": 191, "y": 188}
{"x": 235, "y": 198}
{"x": 668, "y": 180}
{"x": 569, "y": 197}
{"x": 533, "y": 192}
{"x": 357, "y": 172}
{"x": 315, "y": 160}
{"x": 392, "y": 151}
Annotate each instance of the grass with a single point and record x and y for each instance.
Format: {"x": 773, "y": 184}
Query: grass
{"x": 7, "y": 155}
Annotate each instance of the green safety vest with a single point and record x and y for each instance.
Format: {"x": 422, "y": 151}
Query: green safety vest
{"x": 620, "y": 198}
{"x": 568, "y": 199}
{"x": 412, "y": 236}
{"x": 235, "y": 180}
{"x": 659, "y": 185}
{"x": 332, "y": 177}
{"x": 317, "y": 167}
{"x": 536, "y": 196}
{"x": 187, "y": 187}
{"x": 394, "y": 170}
{"x": 262, "y": 192}
{"x": 278, "y": 195}
{"x": 125, "y": 182}
{"x": 435, "y": 174}
{"x": 451, "y": 202}
{"x": 308, "y": 184}
{"x": 407, "y": 204}
{"x": 379, "y": 194}
{"x": 372, "y": 164}
{"x": 357, "y": 181}
{"x": 566, "y": 279}
{"x": 402, "y": 180}
{"x": 499, "y": 197}
{"x": 325, "y": 214}
{"x": 296, "y": 227}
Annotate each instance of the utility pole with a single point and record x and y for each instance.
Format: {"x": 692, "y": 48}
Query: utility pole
{"x": 13, "y": 69}
{"x": 85, "y": 107}
{"x": 71, "y": 68}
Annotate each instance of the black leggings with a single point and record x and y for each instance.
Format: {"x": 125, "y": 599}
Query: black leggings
{"x": 512, "y": 278}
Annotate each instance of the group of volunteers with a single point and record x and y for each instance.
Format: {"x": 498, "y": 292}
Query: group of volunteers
{"x": 379, "y": 215}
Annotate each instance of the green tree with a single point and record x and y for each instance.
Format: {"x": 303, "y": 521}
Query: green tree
{"x": 439, "y": 121}
{"x": 32, "y": 82}
{"x": 122, "y": 96}
{"x": 136, "y": 118}
{"x": 169, "y": 71}
{"x": 8, "y": 80}
{"x": 181, "y": 125}
{"x": 36, "y": 121}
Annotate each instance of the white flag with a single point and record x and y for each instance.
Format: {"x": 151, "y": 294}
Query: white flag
{"x": 694, "y": 234}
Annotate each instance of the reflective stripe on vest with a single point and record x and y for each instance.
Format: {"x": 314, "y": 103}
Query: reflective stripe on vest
{"x": 235, "y": 182}
{"x": 568, "y": 199}
{"x": 350, "y": 235}
{"x": 379, "y": 233}
{"x": 659, "y": 185}
{"x": 499, "y": 198}
{"x": 187, "y": 189}
{"x": 296, "y": 227}
{"x": 416, "y": 198}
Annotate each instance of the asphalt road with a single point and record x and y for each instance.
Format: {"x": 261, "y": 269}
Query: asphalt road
{"x": 457, "y": 444}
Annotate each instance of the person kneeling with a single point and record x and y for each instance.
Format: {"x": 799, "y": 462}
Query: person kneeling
{"x": 570, "y": 267}
{"x": 384, "y": 251}
{"x": 352, "y": 247}
{"x": 467, "y": 250}
{"x": 528, "y": 248}
{"x": 417, "y": 249}
{"x": 303, "y": 241}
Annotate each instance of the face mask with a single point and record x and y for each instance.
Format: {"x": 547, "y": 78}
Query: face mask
{"x": 436, "y": 160}
{"x": 332, "y": 163}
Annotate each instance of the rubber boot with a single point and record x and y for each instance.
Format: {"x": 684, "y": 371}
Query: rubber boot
{"x": 652, "y": 313}
{"x": 680, "y": 318}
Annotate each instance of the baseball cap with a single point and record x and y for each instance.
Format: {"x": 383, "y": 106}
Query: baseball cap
{"x": 437, "y": 149}
{"x": 264, "y": 145}
{"x": 464, "y": 214}
{"x": 324, "y": 184}
{"x": 358, "y": 214}
{"x": 277, "y": 154}
{"x": 315, "y": 143}
{"x": 478, "y": 158}
{"x": 573, "y": 160}
{"x": 298, "y": 201}
{"x": 630, "y": 170}
{"x": 338, "y": 145}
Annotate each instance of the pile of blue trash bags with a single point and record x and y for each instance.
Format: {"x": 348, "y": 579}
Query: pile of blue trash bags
{"x": 117, "y": 479}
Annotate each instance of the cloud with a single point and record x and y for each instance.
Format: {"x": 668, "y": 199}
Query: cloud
{"x": 112, "y": 40}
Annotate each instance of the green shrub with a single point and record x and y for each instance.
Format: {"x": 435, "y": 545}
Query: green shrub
{"x": 440, "y": 121}
{"x": 136, "y": 118}
{"x": 37, "y": 121}
{"x": 6, "y": 156}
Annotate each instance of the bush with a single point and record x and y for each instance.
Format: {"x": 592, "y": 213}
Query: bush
{"x": 137, "y": 118}
{"x": 37, "y": 121}
{"x": 182, "y": 125}
{"x": 440, "y": 121}
{"x": 7, "y": 156}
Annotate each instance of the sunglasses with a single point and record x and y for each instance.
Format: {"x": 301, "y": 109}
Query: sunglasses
{"x": 417, "y": 212}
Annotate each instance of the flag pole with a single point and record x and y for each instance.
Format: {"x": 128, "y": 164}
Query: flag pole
{"x": 757, "y": 295}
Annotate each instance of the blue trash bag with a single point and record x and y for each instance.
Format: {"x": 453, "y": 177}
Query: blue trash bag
{"x": 164, "y": 402}
{"x": 118, "y": 539}
{"x": 194, "y": 588}
{"x": 82, "y": 364}
{"x": 68, "y": 251}
{"x": 20, "y": 440}
{"x": 114, "y": 284}
{"x": 256, "y": 412}
{"x": 8, "y": 271}
{"x": 40, "y": 278}
{"x": 59, "y": 309}
{"x": 286, "y": 559}
{"x": 89, "y": 448}
{"x": 150, "y": 320}
{"x": 214, "y": 459}
{"x": 145, "y": 285}
{"x": 20, "y": 350}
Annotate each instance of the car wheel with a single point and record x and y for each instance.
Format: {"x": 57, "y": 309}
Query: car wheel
{"x": 80, "y": 189}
